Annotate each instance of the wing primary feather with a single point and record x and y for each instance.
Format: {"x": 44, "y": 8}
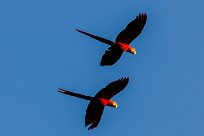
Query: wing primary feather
{"x": 133, "y": 29}
{"x": 112, "y": 88}
{"x": 93, "y": 114}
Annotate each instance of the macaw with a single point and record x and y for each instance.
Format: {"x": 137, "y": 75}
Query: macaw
{"x": 122, "y": 41}
{"x": 97, "y": 103}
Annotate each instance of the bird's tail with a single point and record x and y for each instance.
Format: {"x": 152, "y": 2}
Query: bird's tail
{"x": 97, "y": 38}
{"x": 75, "y": 94}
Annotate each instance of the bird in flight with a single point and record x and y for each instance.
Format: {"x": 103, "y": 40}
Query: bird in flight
{"x": 97, "y": 103}
{"x": 122, "y": 41}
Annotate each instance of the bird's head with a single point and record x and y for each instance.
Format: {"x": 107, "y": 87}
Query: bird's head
{"x": 114, "y": 104}
{"x": 132, "y": 50}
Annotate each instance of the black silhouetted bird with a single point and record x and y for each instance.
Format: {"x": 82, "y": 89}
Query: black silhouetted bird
{"x": 122, "y": 41}
{"x": 99, "y": 101}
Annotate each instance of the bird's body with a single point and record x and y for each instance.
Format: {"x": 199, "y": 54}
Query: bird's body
{"x": 102, "y": 101}
{"x": 122, "y": 41}
{"x": 99, "y": 101}
{"x": 126, "y": 47}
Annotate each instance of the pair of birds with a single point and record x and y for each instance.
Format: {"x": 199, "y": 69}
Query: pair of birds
{"x": 97, "y": 103}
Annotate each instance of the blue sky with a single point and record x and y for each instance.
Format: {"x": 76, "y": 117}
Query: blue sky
{"x": 40, "y": 51}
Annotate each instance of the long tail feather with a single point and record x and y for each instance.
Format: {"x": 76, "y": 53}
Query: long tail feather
{"x": 97, "y": 37}
{"x": 75, "y": 94}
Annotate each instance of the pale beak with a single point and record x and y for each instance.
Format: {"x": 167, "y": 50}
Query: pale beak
{"x": 134, "y": 52}
{"x": 116, "y": 106}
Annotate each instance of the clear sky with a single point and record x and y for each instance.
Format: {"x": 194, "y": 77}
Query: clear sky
{"x": 40, "y": 51}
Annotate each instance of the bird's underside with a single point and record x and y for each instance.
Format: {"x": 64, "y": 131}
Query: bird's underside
{"x": 126, "y": 36}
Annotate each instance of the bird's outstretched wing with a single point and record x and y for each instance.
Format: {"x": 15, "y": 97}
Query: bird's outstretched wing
{"x": 97, "y": 37}
{"x": 75, "y": 94}
{"x": 93, "y": 115}
{"x": 112, "y": 89}
{"x": 132, "y": 30}
{"x": 111, "y": 56}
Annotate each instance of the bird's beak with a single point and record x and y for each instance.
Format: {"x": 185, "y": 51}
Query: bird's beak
{"x": 116, "y": 106}
{"x": 134, "y": 52}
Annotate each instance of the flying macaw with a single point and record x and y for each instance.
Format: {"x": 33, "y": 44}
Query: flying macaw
{"x": 122, "y": 41}
{"x": 97, "y": 103}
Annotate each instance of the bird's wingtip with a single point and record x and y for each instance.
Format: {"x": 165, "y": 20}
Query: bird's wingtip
{"x": 124, "y": 79}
